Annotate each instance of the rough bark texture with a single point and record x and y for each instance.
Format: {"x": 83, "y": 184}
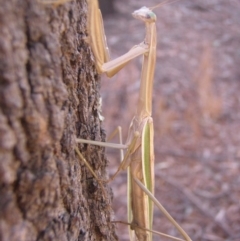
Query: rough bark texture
{"x": 49, "y": 95}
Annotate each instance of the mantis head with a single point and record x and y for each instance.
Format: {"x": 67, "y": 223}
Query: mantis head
{"x": 145, "y": 14}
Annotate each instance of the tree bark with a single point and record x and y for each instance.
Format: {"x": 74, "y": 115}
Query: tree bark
{"x": 49, "y": 95}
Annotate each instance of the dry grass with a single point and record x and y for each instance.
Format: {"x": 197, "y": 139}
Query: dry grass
{"x": 210, "y": 103}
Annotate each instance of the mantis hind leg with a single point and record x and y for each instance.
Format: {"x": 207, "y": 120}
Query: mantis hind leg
{"x": 164, "y": 211}
{"x": 118, "y": 131}
{"x": 125, "y": 161}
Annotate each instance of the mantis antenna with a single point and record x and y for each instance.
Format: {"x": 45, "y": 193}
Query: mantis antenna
{"x": 163, "y": 3}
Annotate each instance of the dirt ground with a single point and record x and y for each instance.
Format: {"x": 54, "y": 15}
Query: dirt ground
{"x": 196, "y": 112}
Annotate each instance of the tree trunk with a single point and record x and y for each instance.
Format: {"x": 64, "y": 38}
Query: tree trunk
{"x": 49, "y": 95}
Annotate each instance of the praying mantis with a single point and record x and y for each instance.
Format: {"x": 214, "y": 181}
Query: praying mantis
{"x": 139, "y": 156}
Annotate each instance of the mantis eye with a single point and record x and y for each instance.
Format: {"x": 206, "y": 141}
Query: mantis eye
{"x": 144, "y": 14}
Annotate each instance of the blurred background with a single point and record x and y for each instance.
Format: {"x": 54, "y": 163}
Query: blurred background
{"x": 196, "y": 112}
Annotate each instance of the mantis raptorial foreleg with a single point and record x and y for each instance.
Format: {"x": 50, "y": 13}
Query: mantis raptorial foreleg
{"x": 139, "y": 157}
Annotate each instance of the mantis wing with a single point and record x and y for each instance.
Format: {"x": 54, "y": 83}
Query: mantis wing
{"x": 148, "y": 166}
{"x": 140, "y": 206}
